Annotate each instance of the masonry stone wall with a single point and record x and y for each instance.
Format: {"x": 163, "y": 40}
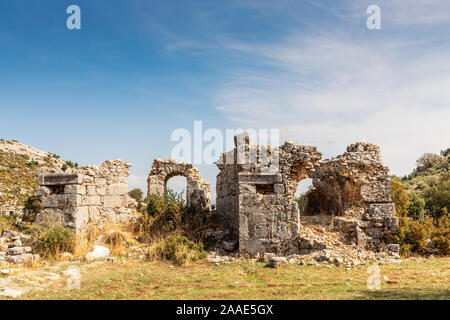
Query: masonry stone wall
{"x": 256, "y": 187}
{"x": 91, "y": 195}
{"x": 197, "y": 189}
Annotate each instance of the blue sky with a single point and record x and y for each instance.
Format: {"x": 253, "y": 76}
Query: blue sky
{"x": 137, "y": 70}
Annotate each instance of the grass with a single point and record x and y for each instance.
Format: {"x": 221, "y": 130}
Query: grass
{"x": 429, "y": 279}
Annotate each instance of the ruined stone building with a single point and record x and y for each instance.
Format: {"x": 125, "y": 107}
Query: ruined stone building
{"x": 92, "y": 195}
{"x": 256, "y": 187}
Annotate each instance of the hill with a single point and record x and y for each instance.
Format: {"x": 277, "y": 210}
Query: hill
{"x": 19, "y": 166}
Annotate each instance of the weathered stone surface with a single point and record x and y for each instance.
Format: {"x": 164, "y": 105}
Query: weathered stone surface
{"x": 80, "y": 198}
{"x": 112, "y": 201}
{"x": 276, "y": 262}
{"x": 52, "y": 179}
{"x": 75, "y": 189}
{"x": 378, "y": 212}
{"x": 15, "y": 251}
{"x": 255, "y": 192}
{"x": 10, "y": 234}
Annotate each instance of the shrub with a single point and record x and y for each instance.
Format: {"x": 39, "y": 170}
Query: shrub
{"x": 55, "y": 240}
{"x": 177, "y": 249}
{"x": 413, "y": 235}
{"x": 136, "y": 194}
{"x": 25, "y": 156}
{"x": 174, "y": 230}
{"x": 71, "y": 164}
{"x": 32, "y": 207}
{"x": 416, "y": 207}
{"x": 438, "y": 197}
{"x": 399, "y": 197}
{"x": 441, "y": 234}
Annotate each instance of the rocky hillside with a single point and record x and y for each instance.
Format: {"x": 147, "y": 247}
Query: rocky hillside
{"x": 19, "y": 166}
{"x": 430, "y": 169}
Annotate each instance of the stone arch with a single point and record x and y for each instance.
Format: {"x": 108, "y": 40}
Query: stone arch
{"x": 197, "y": 189}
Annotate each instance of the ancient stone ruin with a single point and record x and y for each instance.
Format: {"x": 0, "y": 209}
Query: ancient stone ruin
{"x": 92, "y": 195}
{"x": 357, "y": 187}
{"x": 197, "y": 190}
{"x": 256, "y": 187}
{"x": 15, "y": 248}
{"x": 256, "y": 208}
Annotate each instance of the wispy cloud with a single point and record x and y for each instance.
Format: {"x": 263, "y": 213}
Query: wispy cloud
{"x": 331, "y": 89}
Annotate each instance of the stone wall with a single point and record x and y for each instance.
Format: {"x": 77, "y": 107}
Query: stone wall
{"x": 90, "y": 195}
{"x": 256, "y": 187}
{"x": 197, "y": 189}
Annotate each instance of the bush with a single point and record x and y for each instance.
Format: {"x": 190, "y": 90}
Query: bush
{"x": 416, "y": 207}
{"x": 413, "y": 235}
{"x": 418, "y": 234}
{"x": 136, "y": 194}
{"x": 71, "y": 164}
{"x": 438, "y": 197}
{"x": 55, "y": 240}
{"x": 169, "y": 214}
{"x": 399, "y": 197}
{"x": 174, "y": 230}
{"x": 180, "y": 250}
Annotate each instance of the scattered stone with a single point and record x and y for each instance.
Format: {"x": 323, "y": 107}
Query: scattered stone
{"x": 99, "y": 252}
{"x": 14, "y": 293}
{"x": 276, "y": 262}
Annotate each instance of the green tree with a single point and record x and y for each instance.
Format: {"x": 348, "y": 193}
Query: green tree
{"x": 399, "y": 197}
{"x": 438, "y": 197}
{"x": 429, "y": 160}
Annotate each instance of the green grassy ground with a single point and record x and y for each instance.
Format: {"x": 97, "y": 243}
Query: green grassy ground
{"x": 429, "y": 279}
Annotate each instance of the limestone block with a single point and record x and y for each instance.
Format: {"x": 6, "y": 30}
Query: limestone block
{"x": 75, "y": 189}
{"x": 101, "y": 191}
{"x": 81, "y": 215}
{"x": 243, "y": 226}
{"x": 91, "y": 190}
{"x": 100, "y": 182}
{"x": 42, "y": 191}
{"x": 278, "y": 188}
{"x": 377, "y": 191}
{"x": 61, "y": 201}
{"x": 112, "y": 201}
{"x": 92, "y": 201}
{"x": 52, "y": 179}
{"x": 118, "y": 189}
